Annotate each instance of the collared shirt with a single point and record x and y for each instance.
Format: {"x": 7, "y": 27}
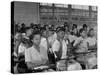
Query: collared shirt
{"x": 56, "y": 47}
{"x": 51, "y": 40}
{"x": 92, "y": 41}
{"x": 70, "y": 37}
{"x": 43, "y": 43}
{"x": 34, "y": 56}
{"x": 82, "y": 44}
{"x": 21, "y": 48}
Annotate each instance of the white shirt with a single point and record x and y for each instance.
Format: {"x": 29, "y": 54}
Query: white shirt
{"x": 70, "y": 37}
{"x": 92, "y": 41}
{"x": 82, "y": 44}
{"x": 21, "y": 48}
{"x": 64, "y": 48}
{"x": 32, "y": 55}
{"x": 55, "y": 35}
{"x": 43, "y": 43}
{"x": 56, "y": 47}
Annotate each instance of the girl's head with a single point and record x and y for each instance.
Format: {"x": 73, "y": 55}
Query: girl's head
{"x": 83, "y": 33}
{"x": 36, "y": 37}
{"x": 91, "y": 32}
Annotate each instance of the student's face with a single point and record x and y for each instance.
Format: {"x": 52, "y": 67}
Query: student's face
{"x": 36, "y": 39}
{"x": 61, "y": 34}
{"x": 44, "y": 33}
{"x": 91, "y": 33}
{"x": 85, "y": 28}
{"x": 83, "y": 34}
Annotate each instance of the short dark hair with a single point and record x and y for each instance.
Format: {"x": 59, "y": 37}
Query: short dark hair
{"x": 91, "y": 29}
{"x": 81, "y": 30}
{"x": 60, "y": 29}
{"x": 75, "y": 25}
{"x": 22, "y": 24}
{"x": 84, "y": 25}
{"x": 27, "y": 41}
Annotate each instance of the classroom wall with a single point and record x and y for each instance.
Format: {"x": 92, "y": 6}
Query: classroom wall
{"x": 26, "y": 12}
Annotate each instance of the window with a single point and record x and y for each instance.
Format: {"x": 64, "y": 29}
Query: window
{"x": 80, "y": 7}
{"x": 61, "y": 5}
{"x": 94, "y": 8}
{"x": 45, "y": 4}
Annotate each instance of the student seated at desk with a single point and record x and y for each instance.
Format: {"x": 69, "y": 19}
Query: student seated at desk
{"x": 92, "y": 46}
{"x": 36, "y": 55}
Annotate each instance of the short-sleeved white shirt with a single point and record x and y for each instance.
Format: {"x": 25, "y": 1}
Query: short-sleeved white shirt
{"x": 56, "y": 47}
{"x": 83, "y": 45}
{"x": 43, "y": 43}
{"x": 32, "y": 55}
{"x": 92, "y": 41}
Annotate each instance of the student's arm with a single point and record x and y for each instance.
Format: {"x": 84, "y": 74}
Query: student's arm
{"x": 16, "y": 46}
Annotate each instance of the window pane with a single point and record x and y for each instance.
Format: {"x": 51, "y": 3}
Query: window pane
{"x": 94, "y": 8}
{"x": 45, "y": 4}
{"x": 61, "y": 5}
{"x": 80, "y": 7}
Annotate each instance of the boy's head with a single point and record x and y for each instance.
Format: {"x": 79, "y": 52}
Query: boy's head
{"x": 74, "y": 26}
{"x": 44, "y": 32}
{"x": 51, "y": 31}
{"x": 60, "y": 32}
{"x": 83, "y": 33}
{"x": 46, "y": 27}
{"x": 65, "y": 23}
{"x": 22, "y": 25}
{"x": 75, "y": 31}
{"x": 32, "y": 25}
{"x": 91, "y": 32}
{"x": 85, "y": 26}
{"x": 36, "y": 37}
{"x": 29, "y": 31}
{"x": 66, "y": 26}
